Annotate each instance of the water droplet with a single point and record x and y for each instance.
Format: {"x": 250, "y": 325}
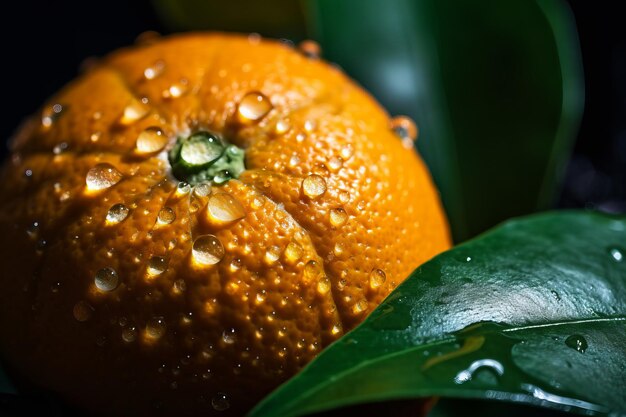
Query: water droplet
{"x": 336, "y": 329}
{"x": 312, "y": 270}
{"x": 207, "y": 250}
{"x": 489, "y": 364}
{"x": 310, "y": 49}
{"x": 229, "y": 336}
{"x": 155, "y": 328}
{"x": 282, "y": 127}
{"x": 60, "y": 148}
{"x": 344, "y": 196}
{"x": 257, "y": 202}
{"x": 294, "y": 160}
{"x": 106, "y": 279}
{"x": 556, "y": 295}
{"x": 220, "y": 402}
{"x": 129, "y": 334}
{"x": 577, "y": 342}
{"x": 347, "y": 152}
{"x": 335, "y": 163}
{"x": 33, "y": 229}
{"x": 203, "y": 189}
{"x": 310, "y": 126}
{"x": 183, "y": 188}
{"x": 617, "y": 254}
{"x": 272, "y": 254}
{"x": 405, "y": 129}
{"x": 293, "y": 252}
{"x": 156, "y": 266}
{"x": 154, "y": 70}
{"x": 180, "y": 285}
{"x": 82, "y": 311}
{"x": 377, "y": 278}
{"x": 253, "y": 107}
{"x": 176, "y": 90}
{"x": 338, "y": 217}
{"x": 323, "y": 285}
{"x": 313, "y": 186}
{"x": 224, "y": 207}
{"x": 151, "y": 140}
{"x": 102, "y": 176}
{"x": 51, "y": 114}
{"x": 360, "y": 306}
{"x": 166, "y": 215}
{"x": 116, "y": 214}
{"x": 133, "y": 112}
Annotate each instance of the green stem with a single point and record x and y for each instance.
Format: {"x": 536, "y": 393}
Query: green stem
{"x": 203, "y": 157}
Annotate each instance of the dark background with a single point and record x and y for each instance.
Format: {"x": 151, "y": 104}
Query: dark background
{"x": 43, "y": 44}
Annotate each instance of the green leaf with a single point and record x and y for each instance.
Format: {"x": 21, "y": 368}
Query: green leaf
{"x": 495, "y": 86}
{"x": 532, "y": 312}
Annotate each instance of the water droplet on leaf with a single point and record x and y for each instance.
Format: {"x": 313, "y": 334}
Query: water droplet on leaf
{"x": 577, "y": 342}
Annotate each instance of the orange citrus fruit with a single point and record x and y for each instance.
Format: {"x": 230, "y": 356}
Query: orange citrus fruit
{"x": 190, "y": 222}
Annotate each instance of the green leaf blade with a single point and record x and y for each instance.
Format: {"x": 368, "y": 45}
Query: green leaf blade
{"x": 541, "y": 279}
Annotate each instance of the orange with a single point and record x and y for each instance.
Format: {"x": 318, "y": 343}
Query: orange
{"x": 128, "y": 292}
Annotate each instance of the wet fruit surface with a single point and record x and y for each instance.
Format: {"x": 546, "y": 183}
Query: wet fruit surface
{"x": 196, "y": 292}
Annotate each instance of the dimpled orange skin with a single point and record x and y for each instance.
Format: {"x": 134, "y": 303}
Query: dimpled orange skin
{"x": 231, "y": 332}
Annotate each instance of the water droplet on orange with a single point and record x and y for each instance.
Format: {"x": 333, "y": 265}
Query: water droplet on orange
{"x": 377, "y": 278}
{"x": 155, "y": 328}
{"x": 220, "y": 402}
{"x": 338, "y": 217}
{"x": 106, "y": 279}
{"x": 207, "y": 250}
{"x": 405, "y": 129}
{"x": 310, "y": 49}
{"x": 51, "y": 114}
{"x": 323, "y": 285}
{"x": 154, "y": 70}
{"x": 229, "y": 336}
{"x": 183, "y": 188}
{"x": 116, "y": 214}
{"x": 335, "y": 163}
{"x": 312, "y": 270}
{"x": 129, "y": 334}
{"x": 203, "y": 189}
{"x": 347, "y": 152}
{"x": 223, "y": 207}
{"x": 102, "y": 176}
{"x": 156, "y": 266}
{"x": 360, "y": 306}
{"x": 166, "y": 215}
{"x": 253, "y": 107}
{"x": 151, "y": 140}
{"x": 282, "y": 127}
{"x": 272, "y": 254}
{"x": 293, "y": 252}
{"x": 133, "y": 112}
{"x": 313, "y": 186}
{"x": 177, "y": 90}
